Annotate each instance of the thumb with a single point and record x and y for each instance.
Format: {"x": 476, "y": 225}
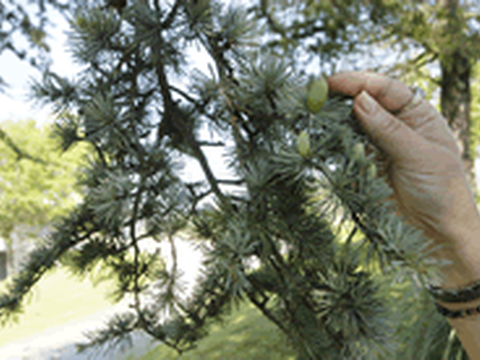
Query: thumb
{"x": 399, "y": 141}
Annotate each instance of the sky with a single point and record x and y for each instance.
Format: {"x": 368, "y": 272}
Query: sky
{"x": 14, "y": 104}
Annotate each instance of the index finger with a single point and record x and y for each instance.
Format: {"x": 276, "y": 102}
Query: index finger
{"x": 391, "y": 93}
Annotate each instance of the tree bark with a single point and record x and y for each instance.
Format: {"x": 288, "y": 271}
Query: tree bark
{"x": 455, "y": 95}
{"x": 455, "y": 104}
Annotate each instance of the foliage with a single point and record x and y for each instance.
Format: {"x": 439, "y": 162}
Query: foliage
{"x": 36, "y": 192}
{"x": 333, "y": 30}
{"x": 307, "y": 30}
{"x": 144, "y": 111}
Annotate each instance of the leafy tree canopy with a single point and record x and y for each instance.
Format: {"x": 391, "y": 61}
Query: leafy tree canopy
{"x": 36, "y": 190}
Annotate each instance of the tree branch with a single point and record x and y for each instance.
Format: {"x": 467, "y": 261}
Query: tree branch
{"x": 173, "y": 121}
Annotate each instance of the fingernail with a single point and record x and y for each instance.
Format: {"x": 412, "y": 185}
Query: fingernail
{"x": 366, "y": 102}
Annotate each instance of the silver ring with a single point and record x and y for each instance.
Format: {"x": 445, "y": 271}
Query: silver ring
{"x": 418, "y": 96}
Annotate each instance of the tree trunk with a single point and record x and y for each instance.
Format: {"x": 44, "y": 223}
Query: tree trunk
{"x": 455, "y": 95}
{"x": 455, "y": 105}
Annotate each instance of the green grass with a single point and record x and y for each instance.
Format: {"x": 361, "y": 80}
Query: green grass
{"x": 57, "y": 299}
{"x": 245, "y": 335}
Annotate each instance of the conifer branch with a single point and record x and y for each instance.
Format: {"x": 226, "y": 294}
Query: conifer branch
{"x": 211, "y": 144}
{"x": 231, "y": 181}
{"x": 261, "y": 306}
{"x": 172, "y": 14}
{"x": 41, "y": 259}
{"x": 173, "y": 121}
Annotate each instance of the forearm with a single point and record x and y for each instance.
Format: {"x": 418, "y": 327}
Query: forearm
{"x": 467, "y": 328}
{"x": 464, "y": 270}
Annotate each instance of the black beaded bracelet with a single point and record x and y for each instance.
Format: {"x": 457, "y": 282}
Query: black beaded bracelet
{"x": 468, "y": 293}
{"x": 454, "y": 314}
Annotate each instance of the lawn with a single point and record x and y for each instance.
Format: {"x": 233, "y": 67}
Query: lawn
{"x": 57, "y": 299}
{"x": 245, "y": 335}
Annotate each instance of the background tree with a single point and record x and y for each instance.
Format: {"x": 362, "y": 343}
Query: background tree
{"x": 446, "y": 32}
{"x": 36, "y": 190}
{"x": 144, "y": 109}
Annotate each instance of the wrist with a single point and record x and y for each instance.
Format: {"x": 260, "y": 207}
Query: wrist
{"x": 454, "y": 311}
{"x": 462, "y": 251}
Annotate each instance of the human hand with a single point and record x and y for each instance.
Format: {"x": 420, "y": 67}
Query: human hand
{"x": 422, "y": 161}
